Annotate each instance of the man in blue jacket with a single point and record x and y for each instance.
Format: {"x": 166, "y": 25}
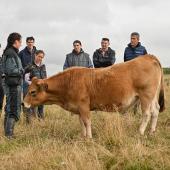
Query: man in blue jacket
{"x": 134, "y": 48}
{"x": 27, "y": 54}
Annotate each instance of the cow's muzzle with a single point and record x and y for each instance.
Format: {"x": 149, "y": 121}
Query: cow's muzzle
{"x": 26, "y": 105}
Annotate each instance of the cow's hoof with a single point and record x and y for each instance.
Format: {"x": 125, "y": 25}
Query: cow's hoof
{"x": 141, "y": 132}
{"x": 86, "y": 137}
{"x": 83, "y": 136}
{"x": 88, "y": 140}
{"x": 152, "y": 132}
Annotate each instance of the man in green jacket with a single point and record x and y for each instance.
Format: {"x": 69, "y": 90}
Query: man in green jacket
{"x": 77, "y": 57}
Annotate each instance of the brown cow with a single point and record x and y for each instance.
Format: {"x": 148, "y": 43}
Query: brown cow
{"x": 81, "y": 90}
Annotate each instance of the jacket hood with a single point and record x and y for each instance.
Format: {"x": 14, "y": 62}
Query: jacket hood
{"x": 78, "y": 53}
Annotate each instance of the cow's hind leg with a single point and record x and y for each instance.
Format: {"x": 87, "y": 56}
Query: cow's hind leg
{"x": 85, "y": 121}
{"x": 145, "y": 106}
{"x": 154, "y": 115}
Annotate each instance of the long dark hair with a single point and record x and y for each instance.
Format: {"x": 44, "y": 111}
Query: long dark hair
{"x": 11, "y": 39}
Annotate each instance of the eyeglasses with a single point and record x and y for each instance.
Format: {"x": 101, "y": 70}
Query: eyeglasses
{"x": 41, "y": 57}
{"x": 30, "y": 42}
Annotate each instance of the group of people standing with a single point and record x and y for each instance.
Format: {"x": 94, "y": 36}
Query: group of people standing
{"x": 18, "y": 68}
{"x": 104, "y": 56}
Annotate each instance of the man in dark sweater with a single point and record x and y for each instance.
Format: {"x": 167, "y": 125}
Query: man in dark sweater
{"x": 134, "y": 48}
{"x": 104, "y": 56}
{"x": 27, "y": 54}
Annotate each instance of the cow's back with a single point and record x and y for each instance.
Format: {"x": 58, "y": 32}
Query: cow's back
{"x": 118, "y": 83}
{"x": 114, "y": 85}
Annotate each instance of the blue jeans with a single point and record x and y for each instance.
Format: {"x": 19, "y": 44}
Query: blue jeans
{"x": 25, "y": 88}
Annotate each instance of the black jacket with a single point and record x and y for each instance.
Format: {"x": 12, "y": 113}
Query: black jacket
{"x": 103, "y": 61}
{"x": 0, "y": 66}
{"x": 11, "y": 63}
{"x": 26, "y": 57}
{"x": 38, "y": 71}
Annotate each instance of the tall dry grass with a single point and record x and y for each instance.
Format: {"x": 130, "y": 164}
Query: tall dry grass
{"x": 56, "y": 143}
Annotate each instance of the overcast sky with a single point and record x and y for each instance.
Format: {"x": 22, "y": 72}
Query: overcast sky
{"x": 56, "y": 24}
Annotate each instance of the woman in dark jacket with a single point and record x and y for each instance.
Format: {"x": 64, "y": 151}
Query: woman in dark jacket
{"x": 37, "y": 69}
{"x": 12, "y": 80}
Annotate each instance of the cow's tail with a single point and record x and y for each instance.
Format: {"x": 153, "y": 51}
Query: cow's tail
{"x": 161, "y": 99}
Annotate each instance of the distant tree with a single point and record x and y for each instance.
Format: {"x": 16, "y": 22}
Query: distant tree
{"x": 166, "y": 70}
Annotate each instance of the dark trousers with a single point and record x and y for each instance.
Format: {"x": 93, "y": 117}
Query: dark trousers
{"x": 13, "y": 101}
{"x": 39, "y": 111}
{"x": 25, "y": 90}
{"x": 1, "y": 96}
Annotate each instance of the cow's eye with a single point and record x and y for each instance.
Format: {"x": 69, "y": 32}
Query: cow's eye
{"x": 33, "y": 93}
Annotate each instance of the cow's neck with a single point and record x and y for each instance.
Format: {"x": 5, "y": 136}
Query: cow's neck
{"x": 56, "y": 90}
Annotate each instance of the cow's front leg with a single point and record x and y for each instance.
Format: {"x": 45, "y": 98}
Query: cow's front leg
{"x": 83, "y": 127}
{"x": 88, "y": 128}
{"x": 86, "y": 122}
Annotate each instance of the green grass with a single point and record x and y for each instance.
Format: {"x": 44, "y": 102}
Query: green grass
{"x": 116, "y": 144}
{"x": 166, "y": 70}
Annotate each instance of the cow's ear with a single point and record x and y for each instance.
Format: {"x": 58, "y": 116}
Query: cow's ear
{"x": 34, "y": 80}
{"x": 42, "y": 85}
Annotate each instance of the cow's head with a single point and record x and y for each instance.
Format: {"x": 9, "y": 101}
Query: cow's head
{"x": 36, "y": 94}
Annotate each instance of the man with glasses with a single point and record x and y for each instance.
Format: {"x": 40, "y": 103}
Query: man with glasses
{"x": 27, "y": 56}
{"x": 77, "y": 57}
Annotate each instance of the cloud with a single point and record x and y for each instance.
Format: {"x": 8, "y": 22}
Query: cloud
{"x": 56, "y": 24}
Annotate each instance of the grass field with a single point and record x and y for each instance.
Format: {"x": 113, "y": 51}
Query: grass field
{"x": 116, "y": 145}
